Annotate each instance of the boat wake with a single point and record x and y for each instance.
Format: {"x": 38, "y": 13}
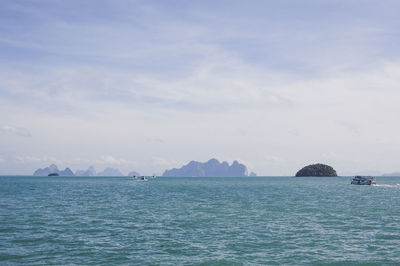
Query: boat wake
{"x": 387, "y": 185}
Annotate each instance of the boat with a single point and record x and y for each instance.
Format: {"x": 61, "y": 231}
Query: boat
{"x": 363, "y": 180}
{"x": 143, "y": 178}
{"x": 134, "y": 177}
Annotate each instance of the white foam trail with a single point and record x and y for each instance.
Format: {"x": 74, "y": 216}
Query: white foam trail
{"x": 387, "y": 185}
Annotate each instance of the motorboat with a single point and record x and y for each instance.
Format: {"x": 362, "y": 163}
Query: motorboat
{"x": 143, "y": 178}
{"x": 134, "y": 177}
{"x": 363, "y": 180}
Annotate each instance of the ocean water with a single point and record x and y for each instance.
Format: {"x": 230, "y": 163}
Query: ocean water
{"x": 205, "y": 221}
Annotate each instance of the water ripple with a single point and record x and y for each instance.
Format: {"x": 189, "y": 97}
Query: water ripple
{"x": 220, "y": 221}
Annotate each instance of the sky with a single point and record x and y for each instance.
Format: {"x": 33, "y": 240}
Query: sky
{"x": 152, "y": 85}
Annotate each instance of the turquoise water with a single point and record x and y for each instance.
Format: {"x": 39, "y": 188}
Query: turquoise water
{"x": 219, "y": 221}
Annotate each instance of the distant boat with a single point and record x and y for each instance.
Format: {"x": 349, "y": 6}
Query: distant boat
{"x": 143, "y": 178}
{"x": 53, "y": 174}
{"x": 134, "y": 177}
{"x": 153, "y": 176}
{"x": 363, "y": 180}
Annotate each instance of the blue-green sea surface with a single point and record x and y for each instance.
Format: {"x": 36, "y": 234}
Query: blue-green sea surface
{"x": 217, "y": 221}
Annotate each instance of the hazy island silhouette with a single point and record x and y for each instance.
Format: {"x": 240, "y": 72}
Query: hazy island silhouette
{"x": 211, "y": 168}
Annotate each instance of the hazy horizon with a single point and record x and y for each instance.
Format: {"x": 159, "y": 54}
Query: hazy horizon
{"x": 129, "y": 172}
{"x": 152, "y": 85}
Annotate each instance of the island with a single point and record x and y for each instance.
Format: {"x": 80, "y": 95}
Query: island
{"x": 53, "y": 169}
{"x": 53, "y": 174}
{"x": 91, "y": 171}
{"x": 316, "y": 170}
{"x": 211, "y": 168}
{"x": 110, "y": 172}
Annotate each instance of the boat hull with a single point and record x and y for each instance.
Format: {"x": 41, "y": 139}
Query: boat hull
{"x": 364, "y": 181}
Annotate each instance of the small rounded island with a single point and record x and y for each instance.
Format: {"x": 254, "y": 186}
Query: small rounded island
{"x": 316, "y": 170}
{"x": 53, "y": 174}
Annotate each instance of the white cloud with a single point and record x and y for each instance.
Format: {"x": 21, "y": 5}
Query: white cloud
{"x": 286, "y": 112}
{"x": 35, "y": 159}
{"x": 234, "y": 85}
{"x": 108, "y": 159}
{"x": 164, "y": 162}
{"x": 18, "y": 131}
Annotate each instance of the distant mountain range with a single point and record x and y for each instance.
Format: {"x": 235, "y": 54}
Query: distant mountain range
{"x": 209, "y": 169}
{"x": 53, "y": 169}
{"x": 371, "y": 173}
{"x": 392, "y": 174}
{"x": 133, "y": 173}
{"x": 91, "y": 171}
{"x": 110, "y": 172}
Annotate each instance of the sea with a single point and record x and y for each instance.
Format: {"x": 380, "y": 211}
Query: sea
{"x": 198, "y": 221}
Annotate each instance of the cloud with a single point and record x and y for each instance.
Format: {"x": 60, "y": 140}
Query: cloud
{"x": 112, "y": 78}
{"x": 165, "y": 162}
{"x": 108, "y": 159}
{"x": 28, "y": 159}
{"x": 35, "y": 159}
{"x": 18, "y": 131}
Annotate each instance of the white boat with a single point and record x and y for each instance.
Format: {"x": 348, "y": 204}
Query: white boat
{"x": 363, "y": 180}
{"x": 134, "y": 177}
{"x": 143, "y": 178}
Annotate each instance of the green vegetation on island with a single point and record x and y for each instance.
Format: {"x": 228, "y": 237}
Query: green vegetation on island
{"x": 53, "y": 174}
{"x": 316, "y": 170}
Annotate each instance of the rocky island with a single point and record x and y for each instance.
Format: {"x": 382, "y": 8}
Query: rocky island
{"x": 317, "y": 170}
{"x": 91, "y": 171}
{"x": 110, "y": 172}
{"x": 211, "y": 168}
{"x": 53, "y": 169}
